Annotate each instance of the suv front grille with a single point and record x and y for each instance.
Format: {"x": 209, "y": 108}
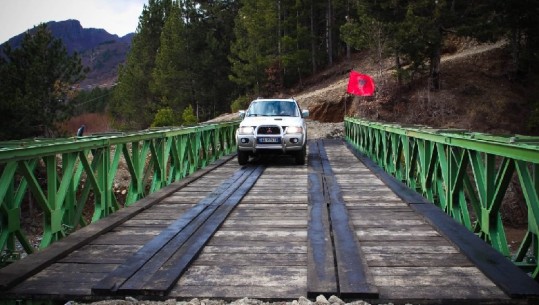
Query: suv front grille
{"x": 272, "y": 130}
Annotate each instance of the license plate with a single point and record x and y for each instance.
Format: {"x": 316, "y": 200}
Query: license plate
{"x": 269, "y": 140}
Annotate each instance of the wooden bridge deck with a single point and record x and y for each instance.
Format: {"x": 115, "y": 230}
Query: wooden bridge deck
{"x": 277, "y": 242}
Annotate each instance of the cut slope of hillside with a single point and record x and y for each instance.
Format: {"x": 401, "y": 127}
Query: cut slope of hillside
{"x": 476, "y": 92}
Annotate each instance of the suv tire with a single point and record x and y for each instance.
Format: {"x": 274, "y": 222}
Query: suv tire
{"x": 300, "y": 156}
{"x": 243, "y": 157}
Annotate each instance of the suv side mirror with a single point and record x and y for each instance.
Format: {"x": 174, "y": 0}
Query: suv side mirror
{"x": 304, "y": 113}
{"x": 241, "y": 114}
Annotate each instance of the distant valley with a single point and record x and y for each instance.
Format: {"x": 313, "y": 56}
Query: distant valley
{"x": 101, "y": 51}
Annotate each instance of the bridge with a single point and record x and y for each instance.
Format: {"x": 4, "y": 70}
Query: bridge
{"x": 400, "y": 214}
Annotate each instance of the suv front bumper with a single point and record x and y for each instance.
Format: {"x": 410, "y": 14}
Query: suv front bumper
{"x": 278, "y": 143}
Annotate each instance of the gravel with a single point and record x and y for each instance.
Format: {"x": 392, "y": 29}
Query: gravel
{"x": 320, "y": 300}
{"x": 319, "y": 130}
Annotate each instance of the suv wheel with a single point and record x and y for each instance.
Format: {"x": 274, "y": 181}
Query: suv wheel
{"x": 243, "y": 157}
{"x": 300, "y": 156}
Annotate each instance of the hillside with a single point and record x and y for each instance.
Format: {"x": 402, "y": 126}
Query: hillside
{"x": 476, "y": 92}
{"x": 99, "y": 50}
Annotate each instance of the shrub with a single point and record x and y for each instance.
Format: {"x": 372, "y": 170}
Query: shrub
{"x": 164, "y": 117}
{"x": 240, "y": 103}
{"x": 188, "y": 116}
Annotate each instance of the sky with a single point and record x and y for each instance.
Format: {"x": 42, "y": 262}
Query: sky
{"x": 118, "y": 17}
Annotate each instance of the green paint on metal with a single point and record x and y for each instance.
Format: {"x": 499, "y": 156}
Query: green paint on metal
{"x": 63, "y": 178}
{"x": 466, "y": 174}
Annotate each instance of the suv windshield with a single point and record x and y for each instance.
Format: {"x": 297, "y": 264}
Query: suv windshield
{"x": 273, "y": 108}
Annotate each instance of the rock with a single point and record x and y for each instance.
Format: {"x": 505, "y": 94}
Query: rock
{"x": 335, "y": 300}
{"x": 321, "y": 300}
{"x": 194, "y": 301}
{"x": 304, "y": 301}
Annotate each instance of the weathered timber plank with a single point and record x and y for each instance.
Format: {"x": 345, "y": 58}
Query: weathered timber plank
{"x": 402, "y": 232}
{"x": 321, "y": 272}
{"x": 81, "y": 268}
{"x": 101, "y": 254}
{"x": 403, "y": 213}
{"x": 259, "y": 234}
{"x": 406, "y": 249}
{"x": 251, "y": 259}
{"x": 475, "y": 280}
{"x": 275, "y": 223}
{"x": 171, "y": 216}
{"x": 428, "y": 242}
{"x": 219, "y": 246}
{"x": 418, "y": 260}
{"x": 162, "y": 281}
{"x": 157, "y": 223}
{"x": 455, "y": 271}
{"x": 237, "y": 292}
{"x": 500, "y": 270}
{"x": 458, "y": 295}
{"x": 137, "y": 261}
{"x": 377, "y": 222}
{"x": 122, "y": 238}
{"x": 273, "y": 276}
{"x": 354, "y": 279}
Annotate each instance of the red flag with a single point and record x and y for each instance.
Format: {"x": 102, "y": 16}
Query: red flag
{"x": 360, "y": 84}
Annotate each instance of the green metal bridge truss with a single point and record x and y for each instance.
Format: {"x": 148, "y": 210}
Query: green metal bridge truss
{"x": 465, "y": 174}
{"x": 72, "y": 181}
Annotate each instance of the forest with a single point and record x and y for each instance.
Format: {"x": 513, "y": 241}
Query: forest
{"x": 193, "y": 60}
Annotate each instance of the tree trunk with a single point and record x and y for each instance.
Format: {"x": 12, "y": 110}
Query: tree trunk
{"x": 399, "y": 68}
{"x": 329, "y": 36}
{"x": 313, "y": 42}
{"x": 435, "y": 67}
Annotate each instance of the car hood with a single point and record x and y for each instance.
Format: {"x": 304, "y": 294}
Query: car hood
{"x": 272, "y": 120}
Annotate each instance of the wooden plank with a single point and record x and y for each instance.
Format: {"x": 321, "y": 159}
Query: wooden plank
{"x": 321, "y": 272}
{"x": 237, "y": 292}
{"x": 461, "y": 294}
{"x": 219, "y": 246}
{"x": 263, "y": 235}
{"x": 101, "y": 254}
{"x": 374, "y": 222}
{"x": 512, "y": 280}
{"x": 251, "y": 259}
{"x": 418, "y": 260}
{"x": 404, "y": 213}
{"x": 162, "y": 281}
{"x": 322, "y": 275}
{"x": 134, "y": 263}
{"x": 354, "y": 279}
{"x": 272, "y": 276}
{"x": 82, "y": 268}
{"x": 406, "y": 249}
{"x": 368, "y": 233}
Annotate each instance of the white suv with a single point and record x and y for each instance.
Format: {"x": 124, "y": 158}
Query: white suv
{"x": 272, "y": 126}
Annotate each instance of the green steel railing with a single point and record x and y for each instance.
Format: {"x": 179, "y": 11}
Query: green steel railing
{"x": 466, "y": 174}
{"x": 68, "y": 178}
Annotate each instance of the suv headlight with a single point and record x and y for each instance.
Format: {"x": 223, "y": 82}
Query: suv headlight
{"x": 246, "y": 130}
{"x": 294, "y": 129}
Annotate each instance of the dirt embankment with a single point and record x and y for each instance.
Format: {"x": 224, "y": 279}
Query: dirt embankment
{"x": 476, "y": 92}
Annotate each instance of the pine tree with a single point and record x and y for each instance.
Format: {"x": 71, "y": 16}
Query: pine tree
{"x": 255, "y": 47}
{"x": 171, "y": 83}
{"x": 37, "y": 82}
{"x": 134, "y": 105}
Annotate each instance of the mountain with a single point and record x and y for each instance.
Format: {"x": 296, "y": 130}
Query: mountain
{"x": 101, "y": 51}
